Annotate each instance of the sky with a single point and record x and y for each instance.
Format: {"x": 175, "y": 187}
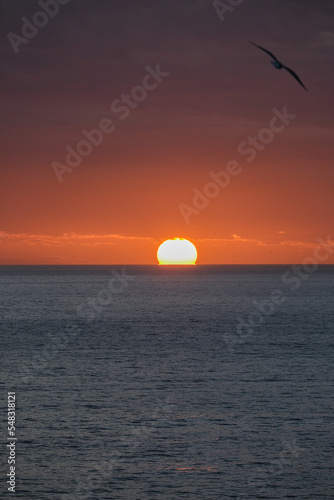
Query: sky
{"x": 202, "y": 138}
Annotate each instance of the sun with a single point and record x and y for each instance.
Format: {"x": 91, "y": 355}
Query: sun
{"x": 177, "y": 251}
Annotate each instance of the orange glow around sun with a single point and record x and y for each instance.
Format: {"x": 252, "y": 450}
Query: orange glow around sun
{"x": 177, "y": 251}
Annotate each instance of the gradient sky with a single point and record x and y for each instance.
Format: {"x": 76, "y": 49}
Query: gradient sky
{"x": 123, "y": 200}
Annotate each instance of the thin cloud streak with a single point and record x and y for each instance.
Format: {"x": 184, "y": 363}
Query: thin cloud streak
{"x": 111, "y": 239}
{"x": 238, "y": 239}
{"x": 72, "y": 239}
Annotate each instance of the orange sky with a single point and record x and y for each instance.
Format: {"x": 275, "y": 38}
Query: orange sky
{"x": 124, "y": 198}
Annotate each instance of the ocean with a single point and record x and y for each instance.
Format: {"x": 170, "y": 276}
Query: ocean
{"x": 163, "y": 382}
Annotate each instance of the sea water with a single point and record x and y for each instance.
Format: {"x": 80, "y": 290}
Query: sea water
{"x": 162, "y": 383}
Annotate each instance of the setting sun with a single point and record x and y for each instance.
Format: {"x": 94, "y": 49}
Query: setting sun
{"x": 177, "y": 251}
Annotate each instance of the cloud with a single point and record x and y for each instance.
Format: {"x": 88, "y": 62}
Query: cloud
{"x": 93, "y": 240}
{"x": 265, "y": 243}
{"x": 72, "y": 239}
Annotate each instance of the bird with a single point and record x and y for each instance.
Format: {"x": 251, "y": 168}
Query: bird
{"x": 278, "y": 65}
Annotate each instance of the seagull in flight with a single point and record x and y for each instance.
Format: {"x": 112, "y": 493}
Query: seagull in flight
{"x": 279, "y": 65}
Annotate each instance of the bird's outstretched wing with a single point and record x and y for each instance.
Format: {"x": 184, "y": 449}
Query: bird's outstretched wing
{"x": 294, "y": 75}
{"x": 265, "y": 50}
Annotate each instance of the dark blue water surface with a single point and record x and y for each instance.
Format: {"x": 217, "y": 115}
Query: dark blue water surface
{"x": 162, "y": 383}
